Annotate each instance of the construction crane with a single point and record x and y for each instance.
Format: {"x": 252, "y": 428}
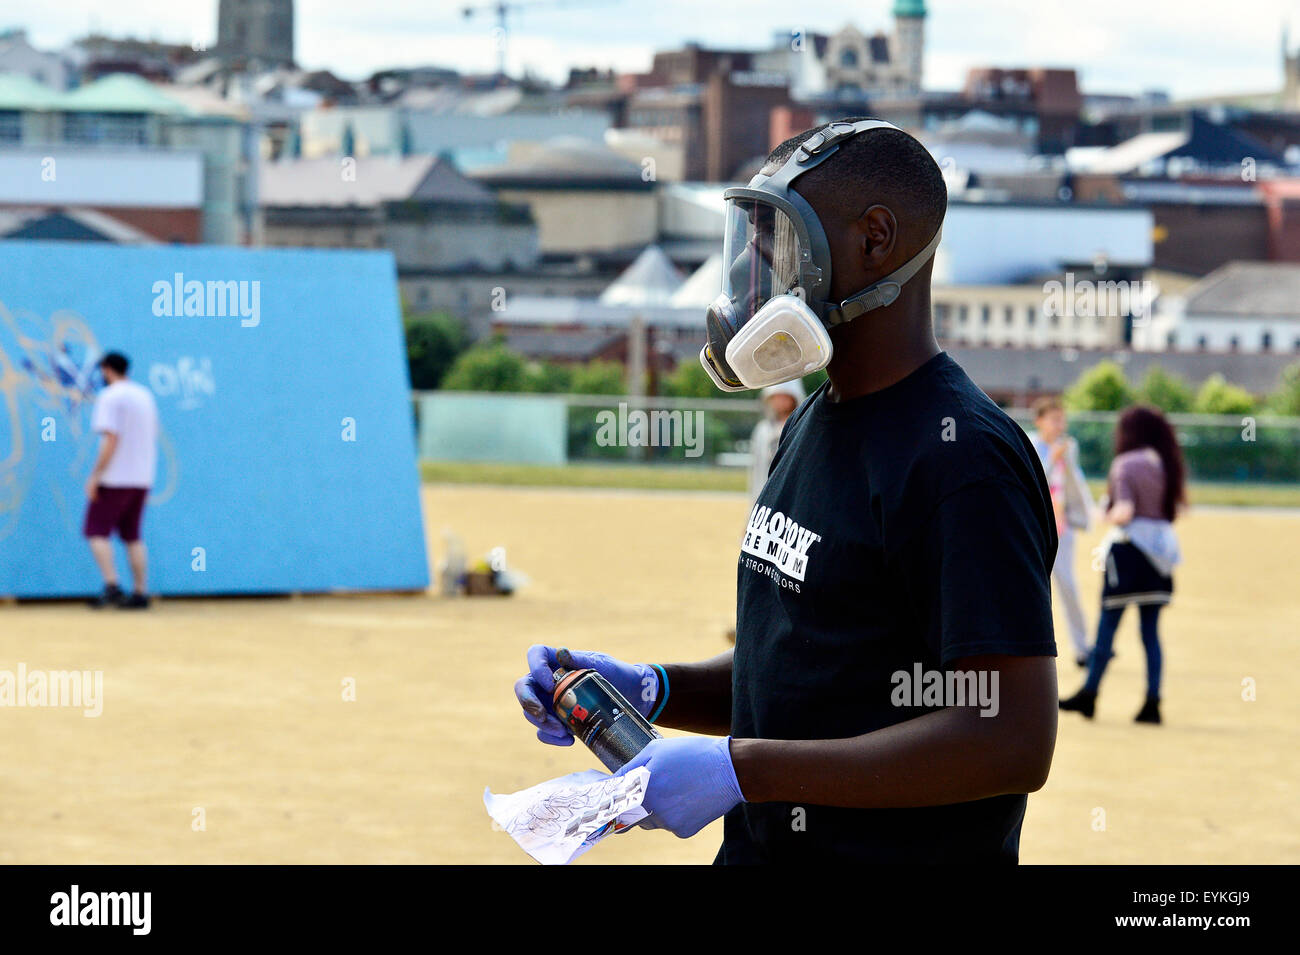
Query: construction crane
{"x": 502, "y": 10}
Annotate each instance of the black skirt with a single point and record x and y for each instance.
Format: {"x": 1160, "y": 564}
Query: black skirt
{"x": 1130, "y": 578}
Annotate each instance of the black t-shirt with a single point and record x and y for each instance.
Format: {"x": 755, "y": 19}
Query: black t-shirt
{"x": 908, "y": 527}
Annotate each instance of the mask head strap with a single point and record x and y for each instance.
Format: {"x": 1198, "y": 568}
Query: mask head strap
{"x": 812, "y": 152}
{"x": 884, "y": 292}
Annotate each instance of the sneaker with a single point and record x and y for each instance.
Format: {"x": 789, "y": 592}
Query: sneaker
{"x": 135, "y": 602}
{"x": 111, "y": 597}
{"x": 1150, "y": 712}
{"x": 1085, "y": 702}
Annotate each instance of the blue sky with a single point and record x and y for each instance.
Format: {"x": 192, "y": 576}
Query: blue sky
{"x": 1117, "y": 45}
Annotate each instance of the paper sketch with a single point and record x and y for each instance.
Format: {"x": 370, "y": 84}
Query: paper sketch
{"x": 558, "y": 820}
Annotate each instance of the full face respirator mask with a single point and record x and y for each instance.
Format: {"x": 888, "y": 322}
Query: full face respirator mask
{"x": 770, "y": 324}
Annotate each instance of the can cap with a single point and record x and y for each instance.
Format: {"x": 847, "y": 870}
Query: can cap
{"x": 565, "y": 678}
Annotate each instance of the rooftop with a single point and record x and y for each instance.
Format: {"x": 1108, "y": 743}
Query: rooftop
{"x": 117, "y": 93}
{"x": 565, "y": 162}
{"x": 1248, "y": 289}
{"x": 1006, "y": 370}
{"x": 312, "y": 183}
{"x": 650, "y": 280}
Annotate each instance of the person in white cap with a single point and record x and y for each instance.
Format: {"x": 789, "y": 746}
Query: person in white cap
{"x": 779, "y": 402}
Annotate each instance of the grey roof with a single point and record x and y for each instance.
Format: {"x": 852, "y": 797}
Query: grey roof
{"x": 1247, "y": 289}
{"x": 1016, "y": 370}
{"x": 379, "y": 179}
{"x": 319, "y": 182}
{"x": 571, "y": 346}
{"x": 445, "y": 183}
{"x": 567, "y": 161}
{"x": 580, "y": 311}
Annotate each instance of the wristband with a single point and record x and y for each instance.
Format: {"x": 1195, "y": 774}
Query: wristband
{"x": 663, "y": 695}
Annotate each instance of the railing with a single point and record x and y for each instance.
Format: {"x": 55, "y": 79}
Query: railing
{"x": 716, "y": 431}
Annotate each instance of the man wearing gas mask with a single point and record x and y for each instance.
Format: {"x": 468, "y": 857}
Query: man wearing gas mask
{"x": 892, "y": 694}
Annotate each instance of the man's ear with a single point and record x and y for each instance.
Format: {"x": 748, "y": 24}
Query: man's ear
{"x": 879, "y": 230}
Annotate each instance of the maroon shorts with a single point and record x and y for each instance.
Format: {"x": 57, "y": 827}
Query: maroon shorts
{"x": 116, "y": 509}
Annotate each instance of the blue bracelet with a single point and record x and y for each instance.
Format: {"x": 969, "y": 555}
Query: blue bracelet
{"x": 663, "y": 695}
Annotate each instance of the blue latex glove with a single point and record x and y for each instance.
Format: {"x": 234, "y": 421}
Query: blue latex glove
{"x": 636, "y": 681}
{"x": 692, "y": 782}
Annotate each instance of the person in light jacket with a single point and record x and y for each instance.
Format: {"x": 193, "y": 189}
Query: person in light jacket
{"x": 1144, "y": 492}
{"x": 779, "y": 402}
{"x": 1073, "y": 505}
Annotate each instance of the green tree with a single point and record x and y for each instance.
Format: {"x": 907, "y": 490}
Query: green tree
{"x": 600, "y": 378}
{"x": 690, "y": 380}
{"x": 1218, "y": 396}
{"x": 487, "y": 367}
{"x": 814, "y": 381}
{"x": 549, "y": 377}
{"x": 1286, "y": 400}
{"x": 432, "y": 344}
{"x": 1102, "y": 387}
{"x": 1167, "y": 392}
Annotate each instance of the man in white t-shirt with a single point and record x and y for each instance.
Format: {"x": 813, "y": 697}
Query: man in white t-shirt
{"x": 126, "y": 418}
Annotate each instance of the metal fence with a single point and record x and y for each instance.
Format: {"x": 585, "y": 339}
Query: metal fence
{"x": 554, "y": 429}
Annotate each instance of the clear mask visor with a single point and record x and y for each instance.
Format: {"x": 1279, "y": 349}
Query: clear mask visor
{"x": 760, "y": 255}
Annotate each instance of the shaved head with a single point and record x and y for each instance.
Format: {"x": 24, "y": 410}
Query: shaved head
{"x": 879, "y": 167}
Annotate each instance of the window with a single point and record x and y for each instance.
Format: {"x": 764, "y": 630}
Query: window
{"x": 962, "y": 315}
{"x": 1202, "y": 343}
{"x": 941, "y": 319}
{"x": 11, "y": 126}
{"x": 1031, "y": 316}
{"x": 117, "y": 129}
{"x": 1266, "y": 342}
{"x": 1171, "y": 341}
{"x": 1009, "y": 318}
{"x": 1232, "y": 343}
{"x": 986, "y": 314}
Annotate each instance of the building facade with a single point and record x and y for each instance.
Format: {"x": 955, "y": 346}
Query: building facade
{"x": 255, "y": 33}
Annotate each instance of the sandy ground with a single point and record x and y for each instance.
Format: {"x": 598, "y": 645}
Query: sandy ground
{"x": 233, "y": 711}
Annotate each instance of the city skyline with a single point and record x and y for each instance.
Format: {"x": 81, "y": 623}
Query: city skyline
{"x": 1115, "y": 49}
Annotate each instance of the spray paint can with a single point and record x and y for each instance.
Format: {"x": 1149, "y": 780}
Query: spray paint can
{"x": 601, "y": 717}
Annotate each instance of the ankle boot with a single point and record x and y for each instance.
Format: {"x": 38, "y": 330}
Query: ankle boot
{"x": 1150, "y": 712}
{"x": 1085, "y": 702}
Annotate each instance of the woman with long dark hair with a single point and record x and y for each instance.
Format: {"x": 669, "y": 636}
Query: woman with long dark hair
{"x": 1145, "y": 489}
